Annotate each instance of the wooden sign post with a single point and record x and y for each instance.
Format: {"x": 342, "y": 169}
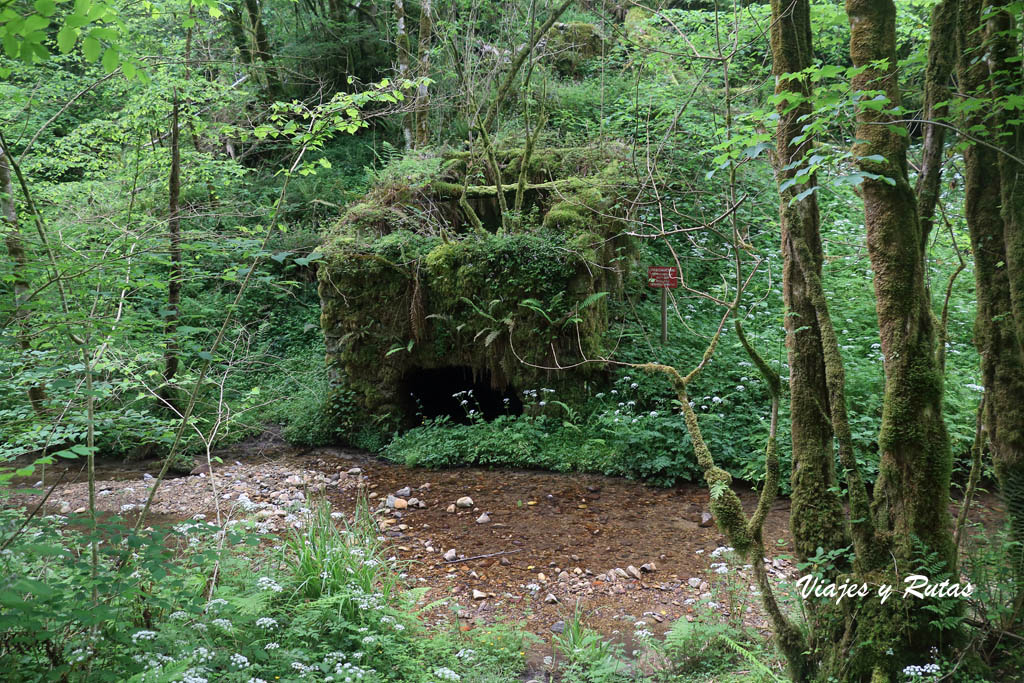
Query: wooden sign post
{"x": 663, "y": 278}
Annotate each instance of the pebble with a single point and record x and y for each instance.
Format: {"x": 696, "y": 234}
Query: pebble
{"x": 451, "y": 555}
{"x": 551, "y": 599}
{"x": 464, "y": 502}
{"x": 483, "y": 519}
{"x": 65, "y": 509}
{"x": 706, "y": 519}
{"x": 694, "y": 582}
{"x": 478, "y": 594}
{"x": 558, "y": 627}
{"x": 403, "y": 492}
{"x": 355, "y": 471}
{"x": 649, "y": 567}
{"x": 633, "y": 571}
{"x": 451, "y": 508}
{"x": 401, "y": 504}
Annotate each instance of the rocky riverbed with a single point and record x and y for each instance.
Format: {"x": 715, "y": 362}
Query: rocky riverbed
{"x": 529, "y": 546}
{"x": 499, "y": 543}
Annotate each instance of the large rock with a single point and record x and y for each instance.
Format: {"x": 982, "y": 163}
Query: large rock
{"x": 387, "y": 272}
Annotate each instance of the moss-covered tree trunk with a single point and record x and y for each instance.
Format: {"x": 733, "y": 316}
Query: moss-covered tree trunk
{"x": 817, "y": 516}
{"x": 911, "y": 495}
{"x": 912, "y": 491}
{"x": 994, "y": 209}
{"x": 817, "y": 519}
{"x": 423, "y": 60}
{"x": 262, "y": 46}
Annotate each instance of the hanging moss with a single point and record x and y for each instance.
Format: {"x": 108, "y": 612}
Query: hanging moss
{"x": 406, "y": 286}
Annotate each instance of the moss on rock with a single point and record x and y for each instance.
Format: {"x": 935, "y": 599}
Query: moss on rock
{"x": 405, "y": 285}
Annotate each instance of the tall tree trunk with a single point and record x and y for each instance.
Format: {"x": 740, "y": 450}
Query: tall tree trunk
{"x": 171, "y": 360}
{"x": 236, "y": 27}
{"x": 912, "y": 490}
{"x": 16, "y": 251}
{"x": 817, "y": 515}
{"x": 1008, "y": 454}
{"x": 911, "y": 496}
{"x": 422, "y": 95}
{"x": 993, "y": 208}
{"x": 404, "y": 56}
{"x": 262, "y": 43}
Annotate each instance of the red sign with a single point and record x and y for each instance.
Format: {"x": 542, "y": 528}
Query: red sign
{"x": 662, "y": 277}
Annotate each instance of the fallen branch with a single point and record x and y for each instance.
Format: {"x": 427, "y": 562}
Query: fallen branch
{"x": 479, "y": 557}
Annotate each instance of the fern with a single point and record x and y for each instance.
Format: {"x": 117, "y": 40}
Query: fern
{"x": 751, "y": 659}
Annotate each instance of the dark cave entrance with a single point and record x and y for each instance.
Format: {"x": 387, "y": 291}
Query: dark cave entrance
{"x": 437, "y": 392}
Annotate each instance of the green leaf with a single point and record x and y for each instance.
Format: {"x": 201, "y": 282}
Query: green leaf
{"x": 91, "y": 49}
{"x": 34, "y": 23}
{"x": 45, "y": 7}
{"x": 75, "y": 21}
{"x": 111, "y": 60}
{"x": 66, "y": 39}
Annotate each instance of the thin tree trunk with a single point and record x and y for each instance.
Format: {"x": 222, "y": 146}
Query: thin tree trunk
{"x": 402, "y": 43}
{"x": 15, "y": 244}
{"x": 171, "y": 360}
{"x": 941, "y": 55}
{"x": 422, "y": 94}
{"x": 517, "y": 63}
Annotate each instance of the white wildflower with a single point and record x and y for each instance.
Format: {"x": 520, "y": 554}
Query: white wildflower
{"x": 268, "y": 584}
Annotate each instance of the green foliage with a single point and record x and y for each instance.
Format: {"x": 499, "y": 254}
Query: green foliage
{"x": 269, "y": 615}
{"x": 599, "y": 437}
{"x": 586, "y": 656}
{"x": 994, "y": 608}
{"x": 715, "y": 641}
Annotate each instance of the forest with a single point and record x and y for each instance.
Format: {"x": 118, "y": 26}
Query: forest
{"x": 575, "y": 341}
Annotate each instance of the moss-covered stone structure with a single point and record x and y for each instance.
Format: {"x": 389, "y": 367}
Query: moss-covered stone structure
{"x": 427, "y": 290}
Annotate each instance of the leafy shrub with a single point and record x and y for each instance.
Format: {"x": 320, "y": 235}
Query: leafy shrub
{"x": 201, "y": 603}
